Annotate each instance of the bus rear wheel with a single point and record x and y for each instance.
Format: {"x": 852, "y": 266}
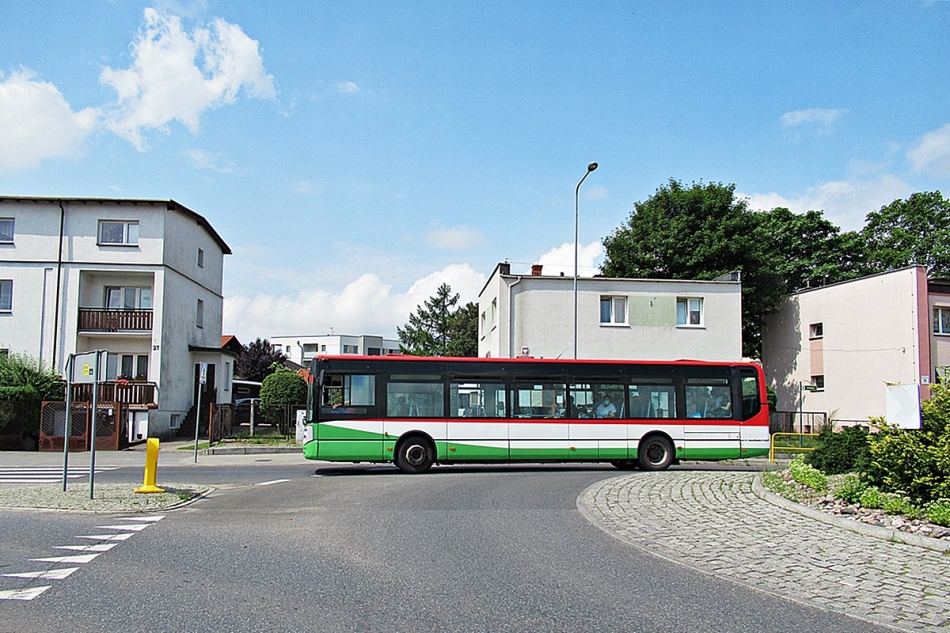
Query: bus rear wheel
{"x": 415, "y": 455}
{"x": 655, "y": 453}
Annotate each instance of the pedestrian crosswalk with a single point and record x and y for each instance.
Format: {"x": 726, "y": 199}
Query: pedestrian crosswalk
{"x": 24, "y": 582}
{"x": 42, "y": 475}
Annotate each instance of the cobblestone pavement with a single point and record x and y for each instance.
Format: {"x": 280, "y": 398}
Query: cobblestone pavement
{"x": 713, "y": 522}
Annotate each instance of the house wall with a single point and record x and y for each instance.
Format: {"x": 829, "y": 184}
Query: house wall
{"x": 537, "y": 312}
{"x": 871, "y": 337}
{"x": 165, "y": 258}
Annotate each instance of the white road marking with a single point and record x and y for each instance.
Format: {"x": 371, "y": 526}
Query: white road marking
{"x": 152, "y": 519}
{"x": 53, "y": 574}
{"x": 81, "y": 559}
{"x": 109, "y": 537}
{"x": 42, "y": 475}
{"x": 133, "y": 528}
{"x": 98, "y": 547}
{"x": 270, "y": 483}
{"x": 23, "y": 594}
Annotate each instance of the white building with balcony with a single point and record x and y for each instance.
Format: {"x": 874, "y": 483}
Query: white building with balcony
{"x": 301, "y": 349}
{"x": 645, "y": 319}
{"x": 140, "y": 278}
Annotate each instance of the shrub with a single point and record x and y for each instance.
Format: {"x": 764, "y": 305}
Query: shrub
{"x": 939, "y": 512}
{"x": 807, "y": 475}
{"x": 872, "y": 497}
{"x": 896, "y": 503}
{"x": 850, "y": 488}
{"x": 284, "y": 387}
{"x": 843, "y": 452}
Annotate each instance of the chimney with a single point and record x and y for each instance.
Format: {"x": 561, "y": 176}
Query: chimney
{"x": 536, "y": 270}
{"x": 504, "y": 268}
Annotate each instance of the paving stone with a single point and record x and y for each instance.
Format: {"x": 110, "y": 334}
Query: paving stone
{"x": 712, "y": 521}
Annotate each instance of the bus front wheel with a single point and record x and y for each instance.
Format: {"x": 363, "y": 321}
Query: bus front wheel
{"x": 415, "y": 455}
{"x": 655, "y": 453}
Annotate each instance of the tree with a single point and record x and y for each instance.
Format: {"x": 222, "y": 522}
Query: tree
{"x": 463, "y": 331}
{"x": 700, "y": 232}
{"x": 437, "y": 329}
{"x": 256, "y": 359}
{"x": 915, "y": 231}
{"x": 24, "y": 379}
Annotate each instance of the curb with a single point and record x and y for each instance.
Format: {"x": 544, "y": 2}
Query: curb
{"x": 874, "y": 531}
{"x": 252, "y": 450}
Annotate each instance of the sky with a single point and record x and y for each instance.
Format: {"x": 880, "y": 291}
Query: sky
{"x": 356, "y": 155}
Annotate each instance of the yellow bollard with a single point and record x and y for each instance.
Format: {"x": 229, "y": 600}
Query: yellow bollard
{"x": 151, "y": 467}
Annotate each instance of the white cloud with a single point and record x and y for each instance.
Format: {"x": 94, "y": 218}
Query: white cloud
{"x": 212, "y": 162}
{"x": 366, "y": 305}
{"x": 347, "y": 87}
{"x": 165, "y": 82}
{"x": 455, "y": 238}
{"x": 845, "y": 203}
{"x": 932, "y": 153}
{"x": 37, "y": 124}
{"x": 821, "y": 117}
{"x": 560, "y": 259}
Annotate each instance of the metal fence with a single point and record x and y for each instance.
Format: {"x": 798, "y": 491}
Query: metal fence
{"x": 254, "y": 418}
{"x": 111, "y": 431}
{"x": 797, "y": 422}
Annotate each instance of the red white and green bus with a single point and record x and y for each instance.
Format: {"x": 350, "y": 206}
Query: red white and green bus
{"x": 419, "y": 411}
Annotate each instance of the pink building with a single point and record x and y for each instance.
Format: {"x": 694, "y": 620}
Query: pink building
{"x": 835, "y": 349}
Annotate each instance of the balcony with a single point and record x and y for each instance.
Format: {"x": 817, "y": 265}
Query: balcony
{"x": 128, "y": 392}
{"x": 114, "y": 320}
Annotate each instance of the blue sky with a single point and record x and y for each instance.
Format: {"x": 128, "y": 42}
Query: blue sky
{"x": 356, "y": 155}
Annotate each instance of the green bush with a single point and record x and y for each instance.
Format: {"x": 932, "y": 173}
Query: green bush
{"x": 851, "y": 487}
{"x": 939, "y": 512}
{"x": 807, "y": 475}
{"x": 843, "y": 452}
{"x": 23, "y": 379}
{"x": 872, "y": 498}
{"x": 284, "y": 387}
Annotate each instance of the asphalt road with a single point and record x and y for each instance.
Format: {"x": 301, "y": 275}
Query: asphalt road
{"x": 370, "y": 549}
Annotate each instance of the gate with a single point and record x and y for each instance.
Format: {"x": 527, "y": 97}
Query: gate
{"x": 111, "y": 422}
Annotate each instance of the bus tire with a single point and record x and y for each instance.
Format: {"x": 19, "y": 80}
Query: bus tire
{"x": 415, "y": 454}
{"x": 655, "y": 453}
{"x": 624, "y": 464}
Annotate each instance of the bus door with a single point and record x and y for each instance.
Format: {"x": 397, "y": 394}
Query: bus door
{"x": 478, "y": 421}
{"x": 755, "y": 438}
{"x": 348, "y": 426}
{"x": 711, "y": 431}
{"x": 598, "y": 428}
{"x": 651, "y": 402}
{"x": 538, "y": 428}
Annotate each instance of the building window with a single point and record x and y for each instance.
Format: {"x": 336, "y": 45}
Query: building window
{"x": 200, "y": 316}
{"x": 175, "y": 422}
{"x": 6, "y": 230}
{"x": 351, "y": 349}
{"x": 6, "y": 295}
{"x": 112, "y": 232}
{"x": 323, "y": 348}
{"x": 613, "y": 310}
{"x": 818, "y": 382}
{"x": 119, "y": 298}
{"x": 689, "y": 311}
{"x": 201, "y": 258}
{"x": 816, "y": 330}
{"x": 127, "y": 366}
{"x": 941, "y": 320}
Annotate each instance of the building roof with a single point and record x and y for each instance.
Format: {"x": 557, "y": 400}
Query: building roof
{"x": 171, "y": 205}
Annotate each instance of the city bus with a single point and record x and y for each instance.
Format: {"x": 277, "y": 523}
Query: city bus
{"x": 419, "y": 411}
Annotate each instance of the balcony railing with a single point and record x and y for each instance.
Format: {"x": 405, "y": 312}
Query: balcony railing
{"x": 114, "y": 320}
{"x": 126, "y": 392}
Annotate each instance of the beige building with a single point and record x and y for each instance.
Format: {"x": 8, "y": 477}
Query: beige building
{"x": 835, "y": 349}
{"x": 647, "y": 319}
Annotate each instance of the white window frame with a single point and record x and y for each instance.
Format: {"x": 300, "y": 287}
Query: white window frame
{"x": 938, "y": 320}
{"x": 141, "y": 295}
{"x": 201, "y": 258}
{"x": 816, "y": 330}
{"x": 7, "y": 234}
{"x": 130, "y": 233}
{"x": 618, "y": 310}
{"x": 6, "y": 297}
{"x": 687, "y": 303}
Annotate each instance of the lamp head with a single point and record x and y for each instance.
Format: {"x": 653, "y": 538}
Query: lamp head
{"x": 591, "y": 167}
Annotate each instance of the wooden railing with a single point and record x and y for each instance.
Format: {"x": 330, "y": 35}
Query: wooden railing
{"x": 105, "y": 320}
{"x": 126, "y": 392}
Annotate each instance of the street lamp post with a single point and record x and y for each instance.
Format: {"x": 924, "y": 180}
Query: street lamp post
{"x": 591, "y": 167}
